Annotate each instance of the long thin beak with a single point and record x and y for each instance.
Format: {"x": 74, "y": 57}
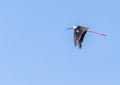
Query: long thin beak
{"x": 68, "y": 28}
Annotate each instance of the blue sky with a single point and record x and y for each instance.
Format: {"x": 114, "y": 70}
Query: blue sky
{"x": 35, "y": 48}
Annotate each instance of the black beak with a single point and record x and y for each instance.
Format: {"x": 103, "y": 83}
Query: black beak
{"x": 68, "y": 28}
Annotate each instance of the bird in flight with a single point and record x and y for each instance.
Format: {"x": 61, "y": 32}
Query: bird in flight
{"x": 79, "y": 34}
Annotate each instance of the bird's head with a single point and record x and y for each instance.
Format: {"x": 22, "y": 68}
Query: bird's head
{"x": 73, "y": 27}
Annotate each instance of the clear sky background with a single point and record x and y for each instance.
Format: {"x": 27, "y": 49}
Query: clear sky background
{"x": 35, "y": 48}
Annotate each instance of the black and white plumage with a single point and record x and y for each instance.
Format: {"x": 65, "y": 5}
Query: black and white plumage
{"x": 79, "y": 34}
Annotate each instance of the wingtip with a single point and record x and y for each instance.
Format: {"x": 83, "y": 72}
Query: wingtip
{"x": 80, "y": 46}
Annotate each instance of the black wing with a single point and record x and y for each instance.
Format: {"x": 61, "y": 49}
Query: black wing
{"x": 77, "y": 36}
{"x": 82, "y": 38}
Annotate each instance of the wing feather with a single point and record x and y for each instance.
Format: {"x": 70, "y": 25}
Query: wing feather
{"x": 82, "y": 38}
{"x": 77, "y": 36}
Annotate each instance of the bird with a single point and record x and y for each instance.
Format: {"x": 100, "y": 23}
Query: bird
{"x": 80, "y": 32}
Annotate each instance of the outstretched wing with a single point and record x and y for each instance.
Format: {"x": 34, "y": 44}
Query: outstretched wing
{"x": 82, "y": 38}
{"x": 75, "y": 39}
{"x": 77, "y": 36}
